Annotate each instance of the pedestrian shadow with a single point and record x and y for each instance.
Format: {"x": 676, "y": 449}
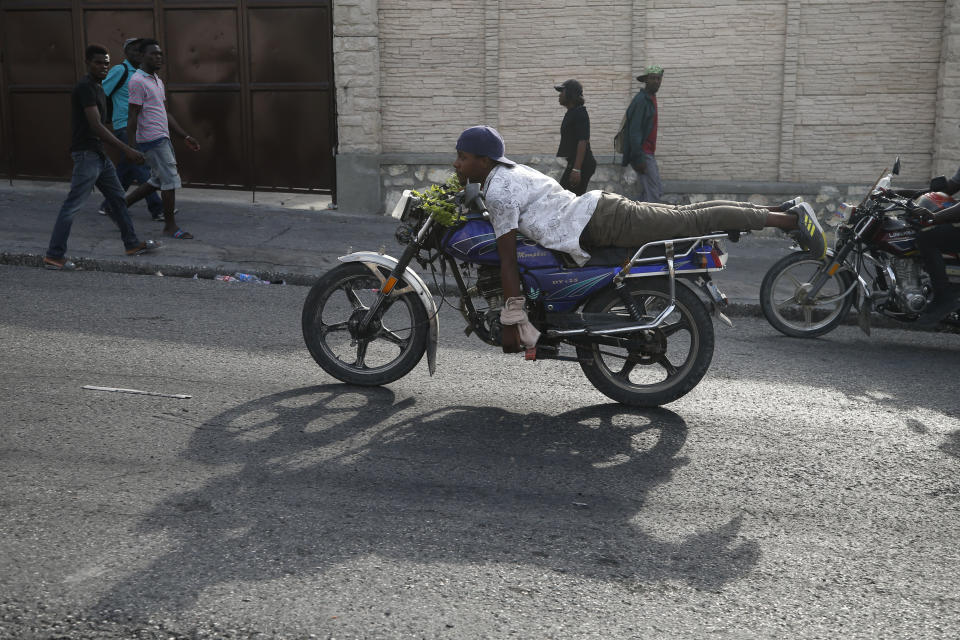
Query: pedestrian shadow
{"x": 317, "y": 476}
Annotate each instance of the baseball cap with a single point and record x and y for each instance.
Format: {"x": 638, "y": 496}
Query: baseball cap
{"x": 572, "y": 87}
{"x": 130, "y": 41}
{"x": 484, "y": 141}
{"x": 650, "y": 70}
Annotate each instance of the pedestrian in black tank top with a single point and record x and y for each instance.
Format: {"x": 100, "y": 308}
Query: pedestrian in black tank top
{"x": 575, "y": 139}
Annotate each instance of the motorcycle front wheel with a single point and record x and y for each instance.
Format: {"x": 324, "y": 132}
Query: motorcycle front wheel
{"x": 386, "y": 350}
{"x": 675, "y": 355}
{"x": 788, "y": 280}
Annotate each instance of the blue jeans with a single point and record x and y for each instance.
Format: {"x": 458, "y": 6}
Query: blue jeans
{"x": 649, "y": 184}
{"x": 90, "y": 169}
{"x": 130, "y": 173}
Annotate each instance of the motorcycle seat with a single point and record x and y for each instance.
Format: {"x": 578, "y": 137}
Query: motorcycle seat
{"x": 616, "y": 256}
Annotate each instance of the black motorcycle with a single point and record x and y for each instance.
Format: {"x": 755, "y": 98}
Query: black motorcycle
{"x": 874, "y": 265}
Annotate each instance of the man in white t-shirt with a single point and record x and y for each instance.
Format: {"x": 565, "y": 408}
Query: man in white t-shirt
{"x": 523, "y": 199}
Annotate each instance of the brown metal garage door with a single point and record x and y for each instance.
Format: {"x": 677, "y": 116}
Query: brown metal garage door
{"x": 252, "y": 80}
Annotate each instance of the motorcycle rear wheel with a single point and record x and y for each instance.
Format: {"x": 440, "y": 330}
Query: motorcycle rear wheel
{"x": 786, "y": 279}
{"x": 387, "y": 351}
{"x": 680, "y": 357}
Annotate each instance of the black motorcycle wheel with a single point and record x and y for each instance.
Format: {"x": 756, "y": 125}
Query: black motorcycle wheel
{"x": 677, "y": 355}
{"x": 789, "y": 277}
{"x": 391, "y": 346}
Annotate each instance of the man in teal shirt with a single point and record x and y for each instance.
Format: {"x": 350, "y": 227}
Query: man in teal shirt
{"x": 640, "y": 136}
{"x": 115, "y": 88}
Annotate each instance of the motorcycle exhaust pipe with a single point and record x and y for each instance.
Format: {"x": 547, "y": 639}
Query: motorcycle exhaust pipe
{"x": 613, "y": 331}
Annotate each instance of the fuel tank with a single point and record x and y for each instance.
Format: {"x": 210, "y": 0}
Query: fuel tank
{"x": 475, "y": 242}
{"x": 896, "y": 236}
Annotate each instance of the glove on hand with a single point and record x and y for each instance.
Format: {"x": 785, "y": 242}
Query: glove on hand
{"x": 514, "y": 313}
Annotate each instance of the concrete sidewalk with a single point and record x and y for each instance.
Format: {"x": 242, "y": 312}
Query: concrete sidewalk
{"x": 275, "y": 236}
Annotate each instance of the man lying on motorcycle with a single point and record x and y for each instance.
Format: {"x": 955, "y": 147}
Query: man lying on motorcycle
{"x": 522, "y": 199}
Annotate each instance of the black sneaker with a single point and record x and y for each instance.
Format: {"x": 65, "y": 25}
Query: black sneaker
{"x": 811, "y": 236}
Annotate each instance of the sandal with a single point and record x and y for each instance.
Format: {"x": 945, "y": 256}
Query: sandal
{"x": 58, "y": 264}
{"x": 144, "y": 247}
{"x": 180, "y": 234}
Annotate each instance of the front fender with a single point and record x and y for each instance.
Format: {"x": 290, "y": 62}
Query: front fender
{"x": 415, "y": 282}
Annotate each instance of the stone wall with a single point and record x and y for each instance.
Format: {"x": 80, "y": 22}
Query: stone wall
{"x": 771, "y": 91}
{"x": 356, "y": 64}
{"x": 431, "y": 57}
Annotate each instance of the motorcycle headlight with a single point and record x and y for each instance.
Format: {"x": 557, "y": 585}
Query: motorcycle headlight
{"x": 405, "y": 206}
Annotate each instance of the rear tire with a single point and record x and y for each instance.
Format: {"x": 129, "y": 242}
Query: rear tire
{"x": 392, "y": 346}
{"x": 661, "y": 374}
{"x": 788, "y": 277}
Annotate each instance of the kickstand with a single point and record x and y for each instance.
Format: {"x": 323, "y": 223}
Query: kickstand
{"x": 863, "y": 316}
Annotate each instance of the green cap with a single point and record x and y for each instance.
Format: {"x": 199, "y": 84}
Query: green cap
{"x": 650, "y": 70}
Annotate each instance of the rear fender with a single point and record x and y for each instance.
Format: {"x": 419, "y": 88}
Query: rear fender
{"x": 415, "y": 283}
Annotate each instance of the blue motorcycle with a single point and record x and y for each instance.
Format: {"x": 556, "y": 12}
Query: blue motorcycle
{"x": 631, "y": 317}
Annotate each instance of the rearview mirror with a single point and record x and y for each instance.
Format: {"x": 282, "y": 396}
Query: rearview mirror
{"x": 473, "y": 197}
{"x": 470, "y": 192}
{"x": 896, "y": 167}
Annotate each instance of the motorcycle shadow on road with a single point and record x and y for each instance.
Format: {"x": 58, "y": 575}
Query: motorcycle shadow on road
{"x": 315, "y": 477}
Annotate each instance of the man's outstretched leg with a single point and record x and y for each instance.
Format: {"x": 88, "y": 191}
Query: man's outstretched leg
{"x": 621, "y": 222}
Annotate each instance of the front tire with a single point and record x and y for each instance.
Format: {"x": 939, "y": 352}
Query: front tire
{"x": 391, "y": 346}
{"x": 786, "y": 280}
{"x": 677, "y": 355}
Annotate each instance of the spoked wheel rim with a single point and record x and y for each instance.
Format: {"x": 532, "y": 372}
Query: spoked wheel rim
{"x": 790, "y": 301}
{"x": 337, "y": 323}
{"x": 668, "y": 354}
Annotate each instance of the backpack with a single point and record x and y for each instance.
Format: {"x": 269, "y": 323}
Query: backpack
{"x": 123, "y": 80}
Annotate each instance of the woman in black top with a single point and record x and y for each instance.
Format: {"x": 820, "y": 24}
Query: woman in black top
{"x": 575, "y": 139}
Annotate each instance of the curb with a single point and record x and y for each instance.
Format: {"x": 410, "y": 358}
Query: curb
{"x": 152, "y": 268}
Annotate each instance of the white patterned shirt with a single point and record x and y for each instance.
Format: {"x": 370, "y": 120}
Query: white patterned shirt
{"x": 538, "y": 207}
{"x": 147, "y": 91}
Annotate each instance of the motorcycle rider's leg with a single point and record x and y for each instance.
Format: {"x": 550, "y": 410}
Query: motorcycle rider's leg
{"x": 706, "y": 204}
{"x": 787, "y": 221}
{"x": 931, "y": 242}
{"x": 621, "y": 222}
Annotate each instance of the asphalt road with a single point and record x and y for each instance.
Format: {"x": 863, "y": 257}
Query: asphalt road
{"x": 804, "y": 489}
